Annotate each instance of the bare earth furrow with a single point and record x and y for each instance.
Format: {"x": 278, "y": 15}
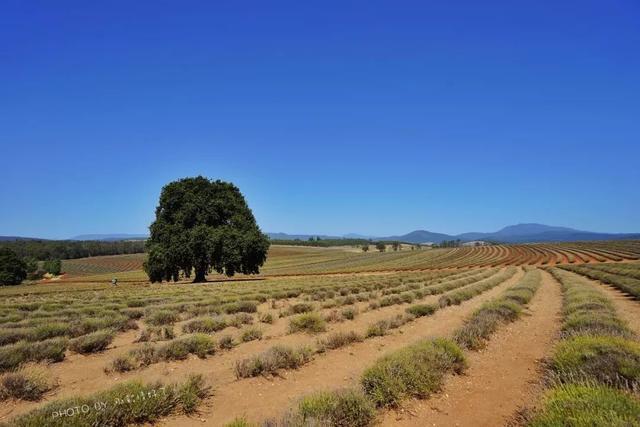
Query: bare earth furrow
{"x": 260, "y": 398}
{"x": 87, "y": 374}
{"x": 501, "y": 378}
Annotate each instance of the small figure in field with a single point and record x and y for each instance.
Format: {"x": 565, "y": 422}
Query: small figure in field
{"x": 114, "y": 281}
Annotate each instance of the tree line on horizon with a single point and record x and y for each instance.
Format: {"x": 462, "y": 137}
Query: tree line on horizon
{"x": 43, "y": 250}
{"x": 323, "y": 243}
{"x": 32, "y": 259}
{"x": 201, "y": 226}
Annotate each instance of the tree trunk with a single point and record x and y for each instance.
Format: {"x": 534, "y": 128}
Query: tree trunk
{"x": 200, "y": 276}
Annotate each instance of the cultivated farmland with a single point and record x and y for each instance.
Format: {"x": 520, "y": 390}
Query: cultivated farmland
{"x": 299, "y": 260}
{"x": 491, "y": 335}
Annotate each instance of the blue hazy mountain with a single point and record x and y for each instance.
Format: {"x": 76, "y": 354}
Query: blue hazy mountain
{"x": 14, "y": 238}
{"x": 285, "y": 236}
{"x": 519, "y": 233}
{"x": 420, "y": 236}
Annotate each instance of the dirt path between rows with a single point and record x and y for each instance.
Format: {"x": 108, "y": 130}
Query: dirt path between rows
{"x": 260, "y": 398}
{"x": 501, "y": 378}
{"x": 80, "y": 375}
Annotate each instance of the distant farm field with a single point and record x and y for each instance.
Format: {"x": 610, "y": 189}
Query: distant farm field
{"x": 103, "y": 264}
{"x": 414, "y": 337}
{"x": 294, "y": 260}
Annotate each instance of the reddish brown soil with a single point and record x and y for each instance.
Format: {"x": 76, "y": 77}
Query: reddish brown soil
{"x": 82, "y": 375}
{"x": 558, "y": 259}
{"x": 261, "y": 398}
{"x": 501, "y": 378}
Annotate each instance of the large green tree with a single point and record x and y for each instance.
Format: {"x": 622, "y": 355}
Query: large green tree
{"x": 13, "y": 270}
{"x": 203, "y": 225}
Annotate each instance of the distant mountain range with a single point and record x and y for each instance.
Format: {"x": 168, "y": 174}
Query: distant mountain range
{"x": 97, "y": 237}
{"x": 285, "y": 236}
{"x": 111, "y": 237}
{"x": 520, "y": 233}
{"x": 14, "y": 238}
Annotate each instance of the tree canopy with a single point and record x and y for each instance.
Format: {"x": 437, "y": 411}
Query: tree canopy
{"x": 13, "y": 270}
{"x": 53, "y": 266}
{"x": 203, "y": 225}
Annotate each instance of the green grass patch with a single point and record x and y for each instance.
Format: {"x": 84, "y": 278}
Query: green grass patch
{"x": 266, "y": 318}
{"x": 456, "y": 297}
{"x": 240, "y": 319}
{"x": 14, "y": 355}
{"x": 344, "y": 408}
{"x": 49, "y": 330}
{"x": 241, "y": 307}
{"x": 593, "y": 406}
{"x": 125, "y": 404}
{"x": 161, "y": 317}
{"x": 308, "y": 322}
{"x": 239, "y": 422}
{"x": 485, "y": 321}
{"x": 338, "y": 339}
{"x": 508, "y": 307}
{"x": 205, "y": 325}
{"x": 382, "y": 327}
{"x": 199, "y": 344}
{"x": 156, "y": 333}
{"x": 593, "y": 322}
{"x": 226, "y": 342}
{"x": 349, "y": 313}
{"x": 414, "y": 371}
{"x": 299, "y": 308}
{"x": 92, "y": 343}
{"x": 630, "y": 285}
{"x": 124, "y": 363}
{"x": 587, "y": 310}
{"x": 421, "y": 310}
{"x": 272, "y": 360}
{"x": 25, "y": 384}
{"x": 613, "y": 361}
{"x": 251, "y": 334}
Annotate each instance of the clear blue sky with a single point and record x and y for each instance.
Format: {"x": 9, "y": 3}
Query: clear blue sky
{"x": 332, "y": 117}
